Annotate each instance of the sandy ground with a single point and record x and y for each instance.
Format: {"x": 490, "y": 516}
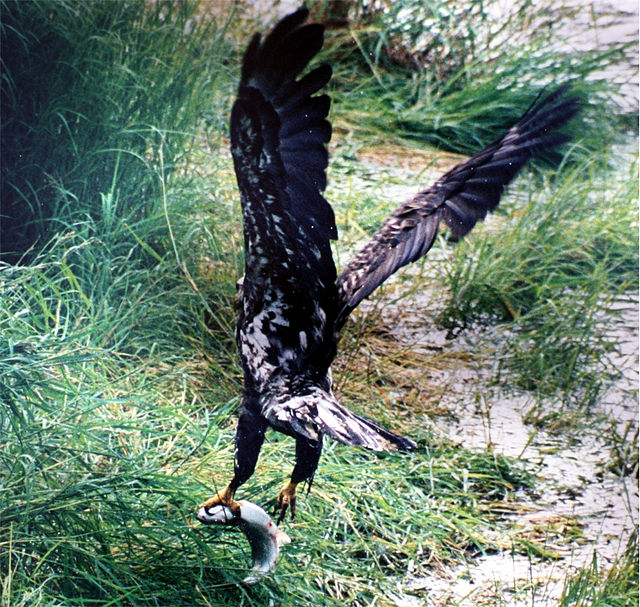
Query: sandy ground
{"x": 598, "y": 23}
{"x": 582, "y": 507}
{"x": 576, "y": 485}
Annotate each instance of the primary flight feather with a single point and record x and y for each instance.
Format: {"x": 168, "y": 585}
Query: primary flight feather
{"x": 292, "y": 302}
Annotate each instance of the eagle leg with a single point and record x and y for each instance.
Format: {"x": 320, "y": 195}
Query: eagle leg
{"x": 248, "y": 442}
{"x": 307, "y": 457}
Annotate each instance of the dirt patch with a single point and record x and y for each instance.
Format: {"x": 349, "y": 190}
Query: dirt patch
{"x": 587, "y": 488}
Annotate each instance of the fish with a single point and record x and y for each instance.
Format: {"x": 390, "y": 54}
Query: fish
{"x": 262, "y": 533}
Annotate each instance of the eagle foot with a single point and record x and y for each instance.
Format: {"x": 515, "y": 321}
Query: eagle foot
{"x": 222, "y": 498}
{"x": 286, "y": 500}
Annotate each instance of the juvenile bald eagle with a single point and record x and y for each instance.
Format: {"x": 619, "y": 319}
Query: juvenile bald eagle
{"x": 292, "y": 302}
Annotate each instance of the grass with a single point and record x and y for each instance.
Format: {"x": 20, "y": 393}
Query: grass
{"x": 89, "y": 125}
{"x": 106, "y": 453}
{"x": 120, "y": 382}
{"x": 571, "y": 250}
{"x": 617, "y": 587}
{"x": 468, "y": 89}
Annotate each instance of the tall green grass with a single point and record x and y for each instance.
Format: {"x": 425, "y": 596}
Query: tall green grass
{"x": 105, "y": 452}
{"x": 449, "y": 74}
{"x": 99, "y": 100}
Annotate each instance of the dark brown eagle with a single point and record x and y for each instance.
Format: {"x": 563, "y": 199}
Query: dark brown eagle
{"x": 292, "y": 302}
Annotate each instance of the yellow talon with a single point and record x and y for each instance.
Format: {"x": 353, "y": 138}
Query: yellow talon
{"x": 222, "y": 498}
{"x": 287, "y": 499}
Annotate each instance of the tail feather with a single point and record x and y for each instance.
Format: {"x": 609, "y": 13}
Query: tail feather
{"x": 397, "y": 441}
{"x": 318, "y": 412}
{"x": 345, "y": 426}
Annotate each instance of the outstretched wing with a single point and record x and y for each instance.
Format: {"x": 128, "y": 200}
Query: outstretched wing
{"x": 460, "y": 198}
{"x": 279, "y": 133}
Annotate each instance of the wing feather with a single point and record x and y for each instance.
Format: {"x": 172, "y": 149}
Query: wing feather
{"x": 297, "y": 92}
{"x": 461, "y": 197}
{"x": 289, "y": 131}
{"x": 279, "y": 133}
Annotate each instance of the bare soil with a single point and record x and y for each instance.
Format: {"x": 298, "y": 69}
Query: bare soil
{"x": 587, "y": 501}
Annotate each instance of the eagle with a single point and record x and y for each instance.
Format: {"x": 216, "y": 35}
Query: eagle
{"x": 292, "y": 302}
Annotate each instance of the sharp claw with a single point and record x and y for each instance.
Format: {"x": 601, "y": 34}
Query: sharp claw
{"x": 280, "y": 508}
{"x": 222, "y": 498}
{"x": 283, "y": 512}
{"x": 286, "y": 500}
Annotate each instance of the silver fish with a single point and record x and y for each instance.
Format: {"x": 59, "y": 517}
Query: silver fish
{"x": 262, "y": 533}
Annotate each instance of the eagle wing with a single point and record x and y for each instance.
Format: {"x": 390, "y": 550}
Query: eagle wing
{"x": 279, "y": 134}
{"x": 461, "y": 197}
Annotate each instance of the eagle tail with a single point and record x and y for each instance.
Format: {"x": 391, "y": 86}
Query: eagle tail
{"x": 318, "y": 412}
{"x": 388, "y": 440}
